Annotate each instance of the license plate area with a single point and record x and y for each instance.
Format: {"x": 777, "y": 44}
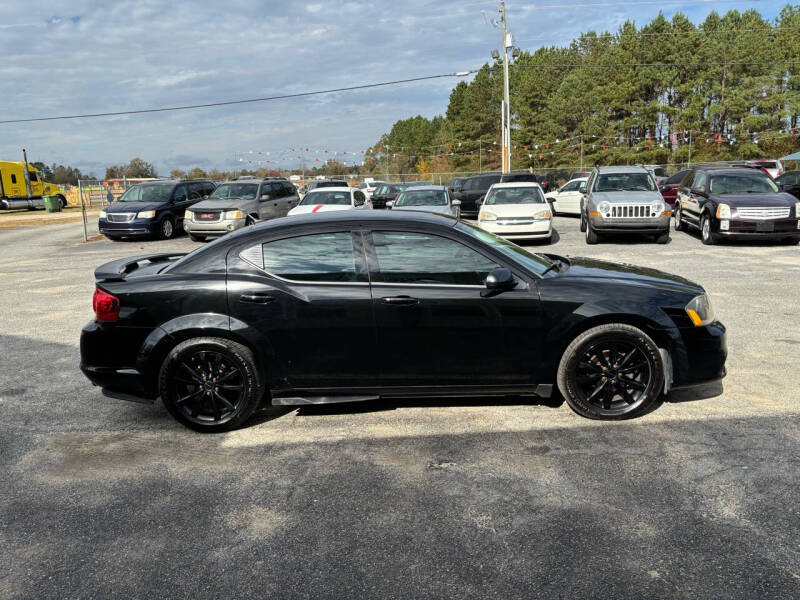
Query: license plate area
{"x": 765, "y": 227}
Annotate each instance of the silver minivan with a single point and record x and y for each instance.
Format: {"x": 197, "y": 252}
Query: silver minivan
{"x": 235, "y": 204}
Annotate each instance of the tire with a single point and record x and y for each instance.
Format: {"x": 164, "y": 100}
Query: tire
{"x": 251, "y": 220}
{"x": 592, "y": 365}
{"x": 663, "y": 238}
{"x": 197, "y": 396}
{"x": 114, "y": 238}
{"x": 706, "y": 235}
{"x": 591, "y": 235}
{"x": 583, "y": 223}
{"x": 166, "y": 230}
{"x": 63, "y": 202}
{"x": 679, "y": 224}
{"x": 197, "y": 238}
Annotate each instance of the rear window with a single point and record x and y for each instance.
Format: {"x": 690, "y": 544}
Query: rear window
{"x": 322, "y": 184}
{"x": 515, "y": 195}
{"x": 414, "y": 197}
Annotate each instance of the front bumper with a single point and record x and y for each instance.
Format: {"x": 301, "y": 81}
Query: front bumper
{"x": 129, "y": 228}
{"x": 701, "y": 356}
{"x": 776, "y": 229}
{"x": 652, "y": 225}
{"x": 530, "y": 229}
{"x": 213, "y": 228}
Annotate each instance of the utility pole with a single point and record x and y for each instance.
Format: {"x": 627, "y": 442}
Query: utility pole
{"x": 581, "y": 151}
{"x": 480, "y": 155}
{"x": 689, "y": 164}
{"x": 506, "y": 111}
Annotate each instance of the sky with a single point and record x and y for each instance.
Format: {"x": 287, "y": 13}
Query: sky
{"x": 75, "y": 57}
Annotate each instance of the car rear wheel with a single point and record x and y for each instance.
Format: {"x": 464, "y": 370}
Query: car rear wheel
{"x": 591, "y": 235}
{"x": 167, "y": 228}
{"x": 210, "y": 384}
{"x": 706, "y": 235}
{"x": 612, "y": 372}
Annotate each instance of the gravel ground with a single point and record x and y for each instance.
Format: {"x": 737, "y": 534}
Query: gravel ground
{"x": 456, "y": 498}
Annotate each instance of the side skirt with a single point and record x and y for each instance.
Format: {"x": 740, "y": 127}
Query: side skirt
{"x": 336, "y": 395}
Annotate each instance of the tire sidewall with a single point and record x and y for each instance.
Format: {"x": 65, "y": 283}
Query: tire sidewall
{"x": 162, "y": 231}
{"x": 573, "y": 354}
{"x": 233, "y": 351}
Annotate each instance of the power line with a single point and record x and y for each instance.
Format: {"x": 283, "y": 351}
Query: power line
{"x": 247, "y": 101}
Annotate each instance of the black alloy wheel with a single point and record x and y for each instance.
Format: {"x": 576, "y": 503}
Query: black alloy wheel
{"x": 612, "y": 372}
{"x": 210, "y": 384}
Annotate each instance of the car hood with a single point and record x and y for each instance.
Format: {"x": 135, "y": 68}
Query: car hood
{"x": 227, "y": 204}
{"x": 781, "y": 199}
{"x": 515, "y": 210}
{"x": 627, "y": 197}
{"x": 590, "y": 268}
{"x": 317, "y": 208}
{"x": 128, "y": 207}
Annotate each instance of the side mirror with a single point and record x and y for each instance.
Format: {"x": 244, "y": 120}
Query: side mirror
{"x": 498, "y": 281}
{"x": 700, "y": 193}
{"x": 456, "y": 202}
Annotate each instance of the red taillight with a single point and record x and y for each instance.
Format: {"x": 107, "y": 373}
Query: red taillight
{"x": 106, "y": 306}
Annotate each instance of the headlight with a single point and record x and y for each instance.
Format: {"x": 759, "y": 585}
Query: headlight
{"x": 545, "y": 214}
{"x": 603, "y": 207}
{"x": 700, "y": 311}
{"x": 233, "y": 214}
{"x": 723, "y": 211}
{"x": 187, "y": 215}
{"x": 103, "y": 214}
{"x": 656, "y": 206}
{"x": 797, "y": 210}
{"x": 487, "y": 216}
{"x": 146, "y": 214}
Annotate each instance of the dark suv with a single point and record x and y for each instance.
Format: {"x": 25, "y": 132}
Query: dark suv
{"x": 152, "y": 209}
{"x": 736, "y": 203}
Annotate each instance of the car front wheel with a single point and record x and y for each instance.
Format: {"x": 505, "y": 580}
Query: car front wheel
{"x": 706, "y": 234}
{"x": 583, "y": 222}
{"x": 210, "y": 384}
{"x": 167, "y": 228}
{"x": 612, "y": 372}
{"x": 679, "y": 224}
{"x": 591, "y": 235}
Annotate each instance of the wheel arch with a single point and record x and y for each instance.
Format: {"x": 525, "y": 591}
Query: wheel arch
{"x": 664, "y": 335}
{"x": 164, "y": 338}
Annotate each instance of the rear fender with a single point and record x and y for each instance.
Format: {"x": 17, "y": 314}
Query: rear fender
{"x": 164, "y": 338}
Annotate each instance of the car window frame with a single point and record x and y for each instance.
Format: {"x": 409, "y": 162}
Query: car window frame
{"x": 374, "y": 265}
{"x": 359, "y": 254}
{"x": 174, "y": 195}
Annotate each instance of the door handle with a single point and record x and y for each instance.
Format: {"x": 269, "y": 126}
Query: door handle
{"x": 400, "y": 301}
{"x": 257, "y": 298}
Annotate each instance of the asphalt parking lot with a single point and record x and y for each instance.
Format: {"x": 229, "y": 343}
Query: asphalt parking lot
{"x": 455, "y": 498}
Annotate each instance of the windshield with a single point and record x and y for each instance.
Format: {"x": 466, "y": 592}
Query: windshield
{"x": 414, "y": 197}
{"x": 741, "y": 184}
{"x": 246, "y": 191}
{"x": 326, "y": 197}
{"x": 625, "y": 182}
{"x": 147, "y": 193}
{"x": 535, "y": 262}
{"x": 515, "y": 195}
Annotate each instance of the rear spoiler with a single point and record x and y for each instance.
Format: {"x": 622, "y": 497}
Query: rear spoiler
{"x": 117, "y": 270}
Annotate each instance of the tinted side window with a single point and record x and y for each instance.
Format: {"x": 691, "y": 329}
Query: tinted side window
{"x": 208, "y": 188}
{"x": 486, "y": 182}
{"x": 360, "y": 198}
{"x": 700, "y": 181}
{"x": 687, "y": 179}
{"x": 276, "y": 190}
{"x": 195, "y": 191}
{"x": 318, "y": 257}
{"x": 288, "y": 189}
{"x": 180, "y": 193}
{"x": 33, "y": 176}
{"x": 424, "y": 258}
{"x": 13, "y": 178}
{"x": 676, "y": 178}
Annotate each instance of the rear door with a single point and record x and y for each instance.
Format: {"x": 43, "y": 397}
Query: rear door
{"x": 180, "y": 202}
{"x": 291, "y": 198}
{"x": 306, "y": 299}
{"x": 433, "y": 328}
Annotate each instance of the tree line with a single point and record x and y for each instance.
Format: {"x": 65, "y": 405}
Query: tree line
{"x": 729, "y": 85}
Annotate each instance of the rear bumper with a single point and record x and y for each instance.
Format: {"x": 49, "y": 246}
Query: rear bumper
{"x": 538, "y": 229}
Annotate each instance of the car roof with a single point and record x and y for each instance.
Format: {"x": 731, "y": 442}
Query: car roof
{"x": 622, "y": 169}
{"x": 350, "y": 216}
{"x": 422, "y": 188}
{"x": 513, "y": 184}
{"x": 733, "y": 170}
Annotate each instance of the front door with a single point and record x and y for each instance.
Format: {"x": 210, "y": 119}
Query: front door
{"x": 307, "y": 298}
{"x": 433, "y": 327}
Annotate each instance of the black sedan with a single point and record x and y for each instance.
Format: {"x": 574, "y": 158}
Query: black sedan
{"x": 349, "y": 306}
